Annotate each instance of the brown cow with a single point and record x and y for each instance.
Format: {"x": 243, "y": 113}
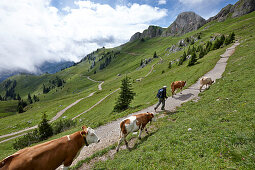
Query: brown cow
{"x": 177, "y": 85}
{"x": 133, "y": 124}
{"x": 205, "y": 81}
{"x": 52, "y": 154}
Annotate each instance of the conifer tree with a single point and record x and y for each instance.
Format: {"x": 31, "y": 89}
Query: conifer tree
{"x": 155, "y": 55}
{"x": 126, "y": 95}
{"x": 29, "y": 99}
{"x": 18, "y": 97}
{"x": 170, "y": 65}
{"x": 193, "y": 59}
{"x": 36, "y": 99}
{"x": 45, "y": 130}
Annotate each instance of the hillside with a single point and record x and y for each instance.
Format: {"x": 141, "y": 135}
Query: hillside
{"x": 221, "y": 123}
{"x": 111, "y": 65}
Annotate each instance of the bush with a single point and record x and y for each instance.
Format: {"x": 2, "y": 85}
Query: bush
{"x": 62, "y": 125}
{"x": 26, "y": 140}
{"x": 34, "y": 136}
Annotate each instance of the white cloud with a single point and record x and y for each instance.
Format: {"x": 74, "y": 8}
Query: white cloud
{"x": 33, "y": 31}
{"x": 199, "y": 2}
{"x": 162, "y": 2}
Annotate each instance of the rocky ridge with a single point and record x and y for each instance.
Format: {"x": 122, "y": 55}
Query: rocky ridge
{"x": 241, "y": 8}
{"x": 190, "y": 21}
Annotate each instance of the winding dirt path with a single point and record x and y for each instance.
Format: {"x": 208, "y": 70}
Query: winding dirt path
{"x": 59, "y": 114}
{"x": 109, "y": 133}
{"x": 152, "y": 67}
{"x": 100, "y": 85}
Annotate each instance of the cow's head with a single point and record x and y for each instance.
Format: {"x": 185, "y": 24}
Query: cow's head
{"x": 90, "y": 135}
{"x": 150, "y": 116}
{"x": 184, "y": 83}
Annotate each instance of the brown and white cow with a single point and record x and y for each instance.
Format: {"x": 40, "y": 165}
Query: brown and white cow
{"x": 177, "y": 85}
{"x": 52, "y": 154}
{"x": 133, "y": 124}
{"x": 205, "y": 81}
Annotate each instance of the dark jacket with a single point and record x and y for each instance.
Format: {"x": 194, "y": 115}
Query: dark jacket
{"x": 163, "y": 93}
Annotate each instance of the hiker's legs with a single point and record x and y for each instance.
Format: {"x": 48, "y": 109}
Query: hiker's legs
{"x": 159, "y": 102}
{"x": 163, "y": 104}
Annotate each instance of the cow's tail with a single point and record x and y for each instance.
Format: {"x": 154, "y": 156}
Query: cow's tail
{"x": 7, "y": 160}
{"x": 123, "y": 129}
{"x": 172, "y": 84}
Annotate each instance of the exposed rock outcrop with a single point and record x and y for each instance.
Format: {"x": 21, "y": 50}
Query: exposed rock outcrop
{"x": 222, "y": 15}
{"x": 242, "y": 7}
{"x": 185, "y": 22}
{"x": 152, "y": 31}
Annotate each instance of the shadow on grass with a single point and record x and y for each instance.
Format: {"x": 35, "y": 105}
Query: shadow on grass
{"x": 168, "y": 112}
{"x": 142, "y": 140}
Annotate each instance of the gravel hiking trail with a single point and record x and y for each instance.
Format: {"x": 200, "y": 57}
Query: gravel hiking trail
{"x": 109, "y": 133}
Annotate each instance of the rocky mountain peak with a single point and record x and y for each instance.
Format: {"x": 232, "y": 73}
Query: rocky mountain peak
{"x": 184, "y": 23}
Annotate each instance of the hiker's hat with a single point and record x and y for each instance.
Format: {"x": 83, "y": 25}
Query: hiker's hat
{"x": 164, "y": 86}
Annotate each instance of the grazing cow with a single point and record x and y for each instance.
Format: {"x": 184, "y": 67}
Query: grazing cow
{"x": 177, "y": 85}
{"x": 133, "y": 124}
{"x": 205, "y": 81}
{"x": 52, "y": 154}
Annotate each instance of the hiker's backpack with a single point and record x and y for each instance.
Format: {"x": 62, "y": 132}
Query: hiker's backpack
{"x": 160, "y": 93}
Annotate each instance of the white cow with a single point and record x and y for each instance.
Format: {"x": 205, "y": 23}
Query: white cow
{"x": 205, "y": 81}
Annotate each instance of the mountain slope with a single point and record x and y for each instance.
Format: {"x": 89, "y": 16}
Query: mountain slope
{"x": 214, "y": 132}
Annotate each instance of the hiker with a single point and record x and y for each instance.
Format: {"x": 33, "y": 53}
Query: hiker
{"x": 161, "y": 98}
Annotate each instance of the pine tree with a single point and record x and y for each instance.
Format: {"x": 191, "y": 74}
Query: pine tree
{"x": 170, "y": 65}
{"x": 21, "y": 105}
{"x": 155, "y": 55}
{"x": 141, "y": 63}
{"x": 1, "y": 98}
{"x": 45, "y": 130}
{"x": 193, "y": 59}
{"x": 29, "y": 99}
{"x": 36, "y": 99}
{"x": 18, "y": 97}
{"x": 126, "y": 95}
{"x": 202, "y": 53}
{"x": 232, "y": 37}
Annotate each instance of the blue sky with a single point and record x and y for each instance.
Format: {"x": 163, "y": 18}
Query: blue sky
{"x": 57, "y": 30}
{"x": 205, "y": 8}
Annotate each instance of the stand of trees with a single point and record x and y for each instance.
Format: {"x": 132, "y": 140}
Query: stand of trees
{"x": 56, "y": 82}
{"x": 201, "y": 50}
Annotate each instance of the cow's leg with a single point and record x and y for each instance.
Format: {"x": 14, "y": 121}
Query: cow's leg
{"x": 201, "y": 87}
{"x": 146, "y": 131}
{"x": 121, "y": 139}
{"x": 181, "y": 90}
{"x": 172, "y": 93}
{"x": 140, "y": 132}
{"x": 126, "y": 143}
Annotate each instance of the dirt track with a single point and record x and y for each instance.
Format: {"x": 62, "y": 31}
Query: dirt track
{"x": 109, "y": 133}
